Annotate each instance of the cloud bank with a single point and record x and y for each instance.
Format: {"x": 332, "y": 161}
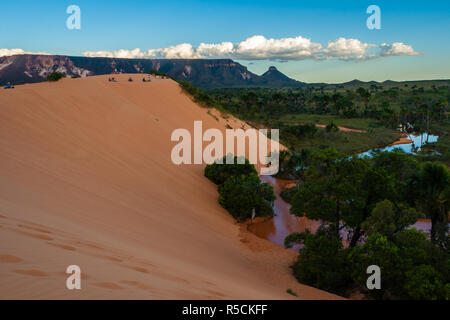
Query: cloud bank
{"x": 260, "y": 48}
{"x": 11, "y": 52}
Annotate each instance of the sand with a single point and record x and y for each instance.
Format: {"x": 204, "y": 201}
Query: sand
{"x": 402, "y": 140}
{"x": 86, "y": 179}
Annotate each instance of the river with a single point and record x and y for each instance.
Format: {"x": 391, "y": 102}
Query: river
{"x": 283, "y": 223}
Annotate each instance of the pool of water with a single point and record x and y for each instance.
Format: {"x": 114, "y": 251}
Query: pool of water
{"x": 417, "y": 142}
{"x": 283, "y": 223}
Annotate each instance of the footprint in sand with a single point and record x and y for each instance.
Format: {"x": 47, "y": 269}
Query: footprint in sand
{"x": 7, "y": 258}
{"x": 34, "y": 228}
{"x": 93, "y": 246}
{"x": 107, "y": 285}
{"x": 34, "y": 235}
{"x": 215, "y": 293}
{"x": 139, "y": 269}
{"x": 112, "y": 258}
{"x": 62, "y": 246}
{"x": 136, "y": 284}
{"x": 31, "y": 272}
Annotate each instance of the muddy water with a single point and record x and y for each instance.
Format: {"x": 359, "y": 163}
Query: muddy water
{"x": 283, "y": 223}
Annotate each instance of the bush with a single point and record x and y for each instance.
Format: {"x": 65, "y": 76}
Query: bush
{"x": 55, "y": 76}
{"x": 425, "y": 283}
{"x": 331, "y": 127}
{"x": 157, "y": 73}
{"x": 219, "y": 173}
{"x": 199, "y": 95}
{"x": 287, "y": 194}
{"x": 412, "y": 266}
{"x": 241, "y": 194}
{"x": 322, "y": 262}
{"x": 302, "y": 130}
{"x": 240, "y": 189}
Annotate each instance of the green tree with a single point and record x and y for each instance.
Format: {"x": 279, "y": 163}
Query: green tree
{"x": 387, "y": 219}
{"x": 425, "y": 283}
{"x": 434, "y": 185}
{"x": 322, "y": 261}
{"x": 412, "y": 266}
{"x": 342, "y": 192}
{"x": 241, "y": 194}
{"x": 220, "y": 172}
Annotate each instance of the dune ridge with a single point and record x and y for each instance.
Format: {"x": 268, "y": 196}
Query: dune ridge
{"x": 87, "y": 180}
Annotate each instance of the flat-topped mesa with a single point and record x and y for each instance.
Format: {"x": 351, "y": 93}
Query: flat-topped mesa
{"x": 202, "y": 73}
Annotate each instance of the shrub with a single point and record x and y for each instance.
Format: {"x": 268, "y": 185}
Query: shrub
{"x": 241, "y": 194}
{"x": 322, "y": 262}
{"x": 331, "y": 127}
{"x": 219, "y": 173}
{"x": 240, "y": 189}
{"x": 55, "y": 76}
{"x": 287, "y": 194}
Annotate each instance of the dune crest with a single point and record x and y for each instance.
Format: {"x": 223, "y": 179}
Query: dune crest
{"x": 87, "y": 179}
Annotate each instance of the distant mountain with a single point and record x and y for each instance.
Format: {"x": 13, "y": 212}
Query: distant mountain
{"x": 275, "y": 78}
{"x": 357, "y": 82}
{"x": 203, "y": 73}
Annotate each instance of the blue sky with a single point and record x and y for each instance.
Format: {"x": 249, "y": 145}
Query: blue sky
{"x": 40, "y": 26}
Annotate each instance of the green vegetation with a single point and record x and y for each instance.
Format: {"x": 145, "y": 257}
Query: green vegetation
{"x": 157, "y": 73}
{"x": 439, "y": 151}
{"x": 345, "y": 142}
{"x": 287, "y": 194}
{"x": 55, "y": 76}
{"x": 240, "y": 189}
{"x": 374, "y": 201}
{"x": 352, "y": 123}
{"x": 366, "y": 205}
{"x": 219, "y": 173}
{"x": 377, "y": 109}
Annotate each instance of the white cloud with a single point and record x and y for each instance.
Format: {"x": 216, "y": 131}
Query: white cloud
{"x": 122, "y": 53}
{"x": 10, "y": 52}
{"x": 397, "y": 49}
{"x": 347, "y": 49}
{"x": 180, "y": 51}
{"x": 215, "y": 50}
{"x": 259, "y": 47}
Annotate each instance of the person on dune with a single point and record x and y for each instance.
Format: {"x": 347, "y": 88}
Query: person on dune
{"x": 9, "y": 86}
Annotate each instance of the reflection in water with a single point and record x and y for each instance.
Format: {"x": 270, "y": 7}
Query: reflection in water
{"x": 283, "y": 223}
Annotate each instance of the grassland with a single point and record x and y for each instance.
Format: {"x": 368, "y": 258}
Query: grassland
{"x": 345, "y": 142}
{"x": 353, "y": 123}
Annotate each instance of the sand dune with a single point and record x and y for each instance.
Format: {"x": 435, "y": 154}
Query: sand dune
{"x": 86, "y": 179}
